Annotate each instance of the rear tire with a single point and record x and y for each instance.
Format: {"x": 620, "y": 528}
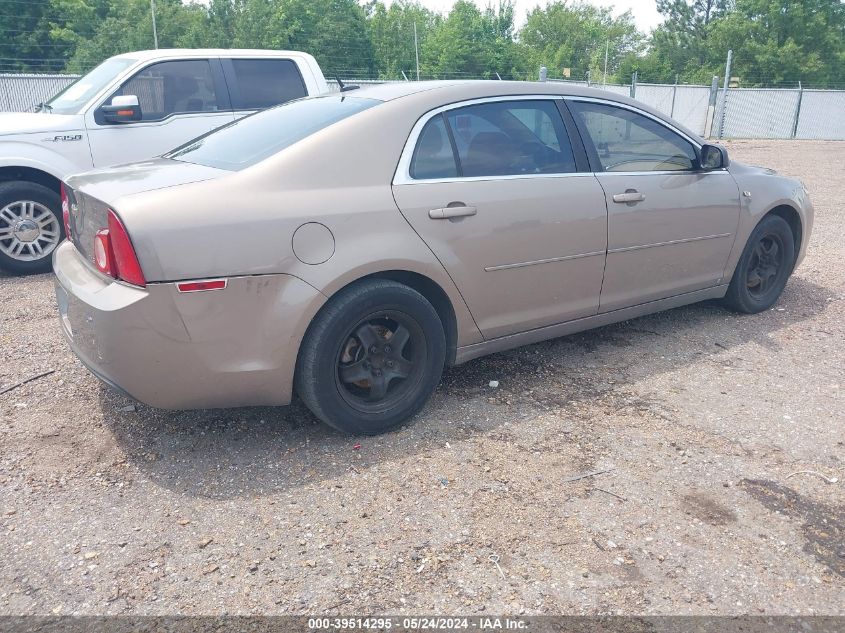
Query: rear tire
{"x": 763, "y": 268}
{"x": 371, "y": 358}
{"x": 31, "y": 227}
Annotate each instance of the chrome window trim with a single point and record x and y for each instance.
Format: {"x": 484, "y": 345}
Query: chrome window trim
{"x": 668, "y": 172}
{"x": 402, "y": 176}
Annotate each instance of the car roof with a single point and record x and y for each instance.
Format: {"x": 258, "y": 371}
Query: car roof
{"x": 483, "y": 88}
{"x": 447, "y": 92}
{"x": 208, "y": 52}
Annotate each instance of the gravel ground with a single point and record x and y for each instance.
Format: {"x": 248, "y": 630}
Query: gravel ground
{"x": 699, "y": 416}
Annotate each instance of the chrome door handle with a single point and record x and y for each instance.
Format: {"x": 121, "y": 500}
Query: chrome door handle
{"x": 631, "y": 195}
{"x": 451, "y": 212}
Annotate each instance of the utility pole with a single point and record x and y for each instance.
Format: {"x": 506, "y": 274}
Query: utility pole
{"x": 417, "y": 51}
{"x": 725, "y": 93}
{"x": 155, "y": 31}
{"x": 606, "y": 49}
{"x": 674, "y": 94}
{"x": 797, "y": 110}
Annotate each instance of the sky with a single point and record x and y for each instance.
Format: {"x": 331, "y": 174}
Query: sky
{"x": 644, "y": 11}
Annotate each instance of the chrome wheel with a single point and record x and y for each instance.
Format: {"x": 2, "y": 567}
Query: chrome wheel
{"x": 29, "y": 231}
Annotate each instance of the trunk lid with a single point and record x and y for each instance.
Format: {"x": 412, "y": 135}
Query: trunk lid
{"x": 92, "y": 194}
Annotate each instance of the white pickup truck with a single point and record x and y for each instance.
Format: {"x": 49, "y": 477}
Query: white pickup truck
{"x": 129, "y": 108}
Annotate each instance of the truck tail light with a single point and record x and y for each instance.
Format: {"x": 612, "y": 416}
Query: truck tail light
{"x": 65, "y": 210}
{"x": 114, "y": 254}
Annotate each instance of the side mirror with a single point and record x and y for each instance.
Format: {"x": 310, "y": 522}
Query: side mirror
{"x": 713, "y": 157}
{"x": 123, "y": 109}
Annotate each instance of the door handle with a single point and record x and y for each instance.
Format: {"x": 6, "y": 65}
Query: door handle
{"x": 631, "y": 195}
{"x": 451, "y": 212}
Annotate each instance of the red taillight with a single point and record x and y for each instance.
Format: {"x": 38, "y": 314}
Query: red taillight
{"x": 65, "y": 210}
{"x": 114, "y": 254}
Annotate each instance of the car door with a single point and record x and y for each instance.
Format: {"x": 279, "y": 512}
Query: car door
{"x": 671, "y": 225}
{"x": 497, "y": 192}
{"x": 180, "y": 100}
{"x": 255, "y": 84}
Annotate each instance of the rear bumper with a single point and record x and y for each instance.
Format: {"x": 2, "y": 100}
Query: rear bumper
{"x": 226, "y": 348}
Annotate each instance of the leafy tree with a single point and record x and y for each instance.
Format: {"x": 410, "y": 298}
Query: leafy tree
{"x": 773, "y": 41}
{"x": 469, "y": 43}
{"x": 127, "y": 26}
{"x": 576, "y": 36}
{"x": 25, "y": 42}
{"x": 391, "y": 31}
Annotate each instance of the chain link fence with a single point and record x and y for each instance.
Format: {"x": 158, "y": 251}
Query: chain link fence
{"x": 735, "y": 113}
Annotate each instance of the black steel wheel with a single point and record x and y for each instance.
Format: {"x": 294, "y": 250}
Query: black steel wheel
{"x": 371, "y": 358}
{"x": 763, "y": 268}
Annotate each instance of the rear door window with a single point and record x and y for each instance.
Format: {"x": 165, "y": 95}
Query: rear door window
{"x": 433, "y": 156}
{"x": 173, "y": 87}
{"x": 502, "y": 138}
{"x": 256, "y": 84}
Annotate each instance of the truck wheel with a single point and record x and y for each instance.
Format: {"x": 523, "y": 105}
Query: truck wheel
{"x": 371, "y": 358}
{"x": 31, "y": 227}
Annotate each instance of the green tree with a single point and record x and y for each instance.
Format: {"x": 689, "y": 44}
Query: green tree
{"x": 471, "y": 43}
{"x": 576, "y": 36}
{"x": 26, "y": 44}
{"x": 777, "y": 41}
{"x": 126, "y": 26}
{"x": 391, "y": 32}
{"x": 773, "y": 41}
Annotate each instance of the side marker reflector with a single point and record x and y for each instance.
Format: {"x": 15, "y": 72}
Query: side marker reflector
{"x": 201, "y": 286}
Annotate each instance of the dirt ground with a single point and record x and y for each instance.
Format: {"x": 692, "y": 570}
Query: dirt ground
{"x": 700, "y": 418}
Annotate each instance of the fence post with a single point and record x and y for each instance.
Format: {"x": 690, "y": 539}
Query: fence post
{"x": 634, "y": 85}
{"x": 711, "y": 107}
{"x": 797, "y": 110}
{"x": 725, "y": 93}
{"x": 544, "y": 73}
{"x": 674, "y": 94}
{"x": 588, "y": 79}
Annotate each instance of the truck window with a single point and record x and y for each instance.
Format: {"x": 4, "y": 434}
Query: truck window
{"x": 173, "y": 87}
{"x": 261, "y": 83}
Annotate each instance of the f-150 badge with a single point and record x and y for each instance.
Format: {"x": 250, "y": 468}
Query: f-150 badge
{"x": 63, "y": 137}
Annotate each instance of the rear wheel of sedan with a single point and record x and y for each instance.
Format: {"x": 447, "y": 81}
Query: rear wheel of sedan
{"x": 763, "y": 268}
{"x": 30, "y": 227}
{"x": 371, "y": 358}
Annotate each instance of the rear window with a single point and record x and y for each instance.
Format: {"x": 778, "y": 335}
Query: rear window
{"x": 261, "y": 83}
{"x": 252, "y": 139}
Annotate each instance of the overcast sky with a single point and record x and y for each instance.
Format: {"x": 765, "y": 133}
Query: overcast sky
{"x": 645, "y": 11}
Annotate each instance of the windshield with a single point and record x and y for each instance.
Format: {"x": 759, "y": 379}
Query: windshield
{"x": 258, "y": 136}
{"x": 72, "y": 99}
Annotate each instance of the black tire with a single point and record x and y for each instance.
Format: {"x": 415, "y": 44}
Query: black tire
{"x": 764, "y": 267}
{"x": 30, "y": 261}
{"x": 346, "y": 357}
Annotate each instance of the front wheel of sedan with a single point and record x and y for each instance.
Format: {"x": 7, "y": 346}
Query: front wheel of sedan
{"x": 371, "y": 358}
{"x": 764, "y": 267}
